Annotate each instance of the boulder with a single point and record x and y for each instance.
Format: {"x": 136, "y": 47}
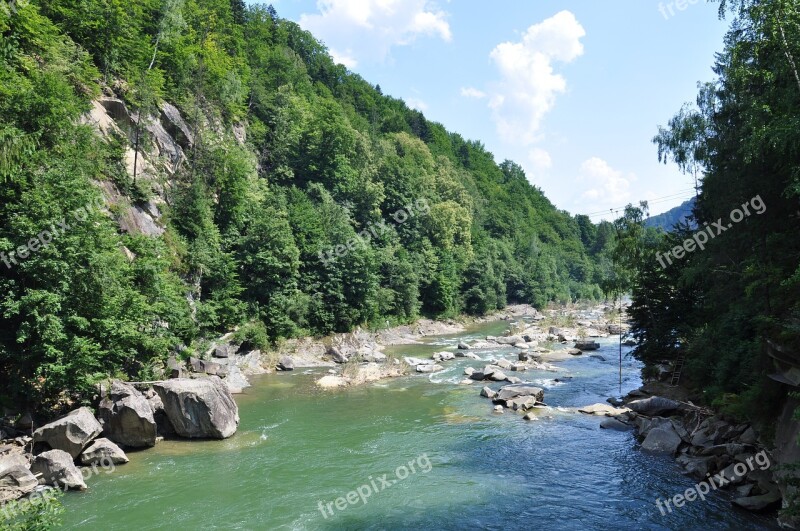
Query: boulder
{"x": 697, "y": 467}
{"x": 574, "y": 351}
{"x": 463, "y": 346}
{"x": 286, "y": 363}
{"x": 662, "y": 440}
{"x": 655, "y": 406}
{"x": 512, "y": 391}
{"x": 513, "y": 379}
{"x": 428, "y": 368}
{"x": 163, "y": 426}
{"x": 222, "y": 351}
{"x": 602, "y": 409}
{"x": 760, "y": 503}
{"x": 127, "y": 417}
{"x": 521, "y": 403}
{"x": 331, "y": 381}
{"x": 58, "y": 470}
{"x": 337, "y": 355}
{"x": 587, "y": 345}
{"x": 15, "y": 478}
{"x": 498, "y": 376}
{"x": 443, "y": 356}
{"x": 616, "y": 425}
{"x": 469, "y": 371}
{"x": 524, "y": 356}
{"x": 71, "y": 433}
{"x": 523, "y": 346}
{"x": 487, "y": 392}
{"x": 417, "y": 361}
{"x": 103, "y": 451}
{"x": 202, "y": 408}
{"x": 503, "y": 364}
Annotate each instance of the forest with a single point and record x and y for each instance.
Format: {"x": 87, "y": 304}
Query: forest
{"x": 726, "y": 307}
{"x": 281, "y": 220}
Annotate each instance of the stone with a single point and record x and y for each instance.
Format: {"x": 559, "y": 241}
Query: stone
{"x": 466, "y": 382}
{"x": 602, "y": 410}
{"x": 286, "y": 363}
{"x": 127, "y": 417}
{"x": 587, "y": 345}
{"x": 443, "y": 356}
{"x": 71, "y": 433}
{"x": 463, "y": 346}
{"x": 524, "y": 356}
{"x": 221, "y": 351}
{"x": 498, "y": 409}
{"x": 174, "y": 367}
{"x": 521, "y": 403}
{"x": 662, "y": 440}
{"x": 469, "y": 371}
{"x": 512, "y": 391}
{"x": 330, "y": 382}
{"x": 487, "y": 392}
{"x": 103, "y": 451}
{"x": 615, "y": 425}
{"x": 655, "y": 406}
{"x": 760, "y": 503}
{"x": 749, "y": 436}
{"x": 597, "y": 357}
{"x": 15, "y": 478}
{"x": 513, "y": 379}
{"x": 428, "y": 368}
{"x": 417, "y": 361}
{"x": 503, "y": 363}
{"x": 58, "y": 470}
{"x": 337, "y": 356}
{"x": 498, "y": 376}
{"x": 574, "y": 352}
{"x": 202, "y": 408}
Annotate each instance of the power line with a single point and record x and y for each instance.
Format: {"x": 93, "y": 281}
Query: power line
{"x": 686, "y": 194}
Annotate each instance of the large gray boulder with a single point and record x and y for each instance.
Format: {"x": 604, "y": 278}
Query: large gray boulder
{"x": 58, "y": 470}
{"x": 71, "y": 433}
{"x": 202, "y": 408}
{"x": 127, "y": 417}
{"x": 103, "y": 452}
{"x": 655, "y": 406}
{"x": 662, "y": 440}
{"x": 513, "y": 391}
{"x": 15, "y": 478}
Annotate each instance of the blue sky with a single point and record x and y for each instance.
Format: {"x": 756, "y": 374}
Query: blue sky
{"x": 573, "y": 91}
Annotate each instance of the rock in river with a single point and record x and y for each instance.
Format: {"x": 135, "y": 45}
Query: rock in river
{"x": 655, "y": 406}
{"x": 202, "y": 408}
{"x": 71, "y": 433}
{"x": 57, "y": 469}
{"x": 127, "y": 417}
{"x": 103, "y": 452}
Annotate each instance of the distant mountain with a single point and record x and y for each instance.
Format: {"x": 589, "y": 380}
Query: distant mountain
{"x": 668, "y": 219}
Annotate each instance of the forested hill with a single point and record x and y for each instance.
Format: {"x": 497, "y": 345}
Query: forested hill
{"x": 667, "y": 220}
{"x": 174, "y": 170}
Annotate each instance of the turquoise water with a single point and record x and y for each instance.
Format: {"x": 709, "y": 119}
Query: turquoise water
{"x": 299, "y": 447}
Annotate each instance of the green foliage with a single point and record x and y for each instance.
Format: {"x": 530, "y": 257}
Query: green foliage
{"x": 36, "y": 513}
{"x": 308, "y": 201}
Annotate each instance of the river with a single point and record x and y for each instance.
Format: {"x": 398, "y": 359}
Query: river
{"x": 299, "y": 449}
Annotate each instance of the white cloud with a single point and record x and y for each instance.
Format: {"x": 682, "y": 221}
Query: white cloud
{"x": 606, "y": 187}
{"x": 530, "y": 84}
{"x": 345, "y": 59}
{"x": 368, "y": 29}
{"x": 471, "y": 92}
{"x": 416, "y": 103}
{"x": 540, "y": 159}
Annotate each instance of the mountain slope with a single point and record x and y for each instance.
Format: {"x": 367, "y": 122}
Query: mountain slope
{"x": 214, "y": 170}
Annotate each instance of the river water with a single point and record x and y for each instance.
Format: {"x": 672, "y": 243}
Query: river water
{"x": 425, "y": 452}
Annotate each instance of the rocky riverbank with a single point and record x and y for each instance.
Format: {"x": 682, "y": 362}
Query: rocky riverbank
{"x": 129, "y": 417}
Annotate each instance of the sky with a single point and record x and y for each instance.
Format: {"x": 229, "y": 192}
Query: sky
{"x": 572, "y": 91}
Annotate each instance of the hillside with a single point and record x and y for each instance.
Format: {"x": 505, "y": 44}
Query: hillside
{"x": 163, "y": 186}
{"x": 667, "y": 220}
